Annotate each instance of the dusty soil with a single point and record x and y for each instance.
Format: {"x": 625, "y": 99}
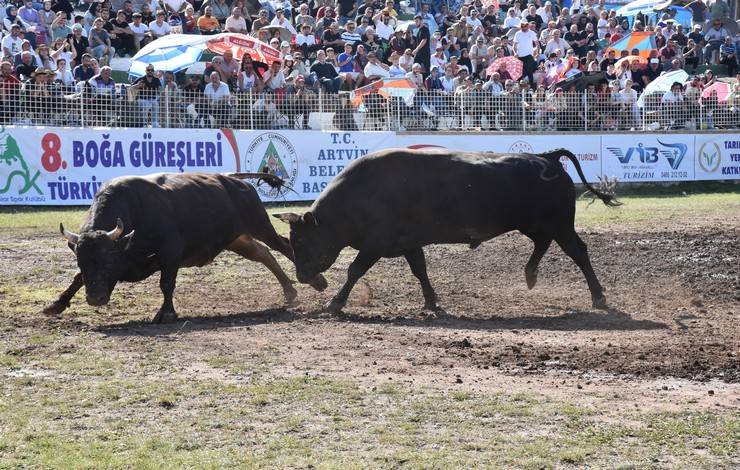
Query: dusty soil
{"x": 670, "y": 336}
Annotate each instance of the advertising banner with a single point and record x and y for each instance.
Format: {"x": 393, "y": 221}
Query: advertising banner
{"x": 717, "y": 157}
{"x": 307, "y": 161}
{"x": 586, "y": 148}
{"x": 67, "y": 166}
{"x": 648, "y": 157}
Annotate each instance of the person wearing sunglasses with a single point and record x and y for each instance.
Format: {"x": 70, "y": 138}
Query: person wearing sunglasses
{"x": 148, "y": 88}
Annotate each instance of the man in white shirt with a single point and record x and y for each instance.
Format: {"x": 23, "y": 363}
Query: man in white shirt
{"x": 159, "y": 27}
{"x": 383, "y": 27}
{"x": 438, "y": 59}
{"x": 556, "y": 43}
{"x": 282, "y": 21}
{"x": 375, "y": 69}
{"x": 512, "y": 20}
{"x": 236, "y": 22}
{"x": 140, "y": 31}
{"x": 525, "y": 48}
{"x": 12, "y": 43}
{"x": 217, "y": 95}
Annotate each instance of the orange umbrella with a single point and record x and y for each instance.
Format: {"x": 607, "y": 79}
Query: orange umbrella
{"x": 624, "y": 62}
{"x": 721, "y": 89}
{"x": 241, "y": 44}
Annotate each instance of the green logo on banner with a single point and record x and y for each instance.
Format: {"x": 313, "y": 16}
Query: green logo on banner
{"x": 11, "y": 154}
{"x": 272, "y": 163}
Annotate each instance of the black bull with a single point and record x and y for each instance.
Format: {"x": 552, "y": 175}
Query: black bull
{"x": 179, "y": 220}
{"x": 394, "y": 202}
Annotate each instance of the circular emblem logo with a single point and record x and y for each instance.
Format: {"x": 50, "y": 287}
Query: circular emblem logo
{"x": 272, "y": 153}
{"x": 709, "y": 157}
{"x": 521, "y": 146}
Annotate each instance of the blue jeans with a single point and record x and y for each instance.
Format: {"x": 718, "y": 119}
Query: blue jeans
{"x": 150, "y": 105}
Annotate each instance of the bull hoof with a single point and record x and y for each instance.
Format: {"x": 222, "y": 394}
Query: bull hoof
{"x": 319, "y": 283}
{"x": 334, "y": 306}
{"x": 531, "y": 278}
{"x": 290, "y": 294}
{"x": 431, "y": 305}
{"x": 55, "y": 309}
{"x": 164, "y": 316}
{"x": 600, "y": 303}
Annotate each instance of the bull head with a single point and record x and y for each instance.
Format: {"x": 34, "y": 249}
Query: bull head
{"x": 114, "y": 234}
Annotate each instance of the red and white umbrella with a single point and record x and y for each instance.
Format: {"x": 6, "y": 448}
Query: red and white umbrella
{"x": 513, "y": 66}
{"x": 240, "y": 45}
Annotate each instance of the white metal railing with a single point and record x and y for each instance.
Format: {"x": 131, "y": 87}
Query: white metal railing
{"x": 58, "y": 105}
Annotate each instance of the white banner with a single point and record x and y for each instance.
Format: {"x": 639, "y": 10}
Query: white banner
{"x": 586, "y": 148}
{"x": 717, "y": 157}
{"x": 67, "y": 166}
{"x": 56, "y": 166}
{"x": 648, "y": 157}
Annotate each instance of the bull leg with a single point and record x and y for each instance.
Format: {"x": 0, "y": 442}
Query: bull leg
{"x": 169, "y": 261}
{"x": 272, "y": 239}
{"x": 250, "y": 249}
{"x": 62, "y": 302}
{"x": 418, "y": 266}
{"x": 357, "y": 269}
{"x": 574, "y": 247}
{"x": 541, "y": 244}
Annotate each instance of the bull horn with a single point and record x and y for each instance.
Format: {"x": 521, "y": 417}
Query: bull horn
{"x": 116, "y": 232}
{"x": 71, "y": 237}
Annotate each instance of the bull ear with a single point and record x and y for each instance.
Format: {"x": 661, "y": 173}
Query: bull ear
{"x": 71, "y": 237}
{"x": 310, "y": 219}
{"x": 116, "y": 232}
{"x": 288, "y": 217}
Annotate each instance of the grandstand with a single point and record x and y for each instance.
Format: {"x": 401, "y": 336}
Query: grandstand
{"x": 575, "y": 66}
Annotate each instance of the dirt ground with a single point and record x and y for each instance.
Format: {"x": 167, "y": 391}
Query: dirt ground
{"x": 669, "y": 341}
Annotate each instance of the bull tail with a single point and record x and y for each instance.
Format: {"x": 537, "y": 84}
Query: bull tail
{"x": 273, "y": 181}
{"x": 554, "y": 156}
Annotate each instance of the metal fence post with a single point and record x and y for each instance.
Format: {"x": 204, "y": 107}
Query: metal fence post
{"x": 167, "y": 107}
{"x": 701, "y": 117}
{"x": 524, "y": 110}
{"x": 82, "y": 107}
{"x": 251, "y": 109}
{"x": 585, "y": 110}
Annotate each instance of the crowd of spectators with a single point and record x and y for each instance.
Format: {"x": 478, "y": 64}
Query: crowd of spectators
{"x": 56, "y": 49}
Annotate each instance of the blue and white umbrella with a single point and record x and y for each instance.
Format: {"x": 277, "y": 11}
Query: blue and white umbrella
{"x": 170, "y": 53}
{"x": 663, "y": 84}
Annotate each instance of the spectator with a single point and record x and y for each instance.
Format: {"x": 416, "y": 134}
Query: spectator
{"x": 148, "y": 90}
{"x": 346, "y": 65}
{"x": 27, "y": 67}
{"x": 422, "y": 54}
{"x": 714, "y": 39}
{"x": 375, "y": 69}
{"x": 208, "y": 24}
{"x": 194, "y": 100}
{"x": 556, "y": 43}
{"x": 248, "y": 80}
{"x": 217, "y": 96}
{"x": 274, "y": 78}
{"x": 304, "y": 18}
{"x": 79, "y": 42}
{"x": 236, "y": 23}
{"x": 728, "y": 55}
{"x": 12, "y": 43}
{"x": 281, "y": 21}
{"x": 59, "y": 27}
{"x": 174, "y": 7}
{"x": 261, "y": 21}
{"x": 325, "y": 73}
{"x": 227, "y": 68}
{"x": 698, "y": 13}
{"x": 395, "y": 70}
{"x": 159, "y": 27}
{"x": 332, "y": 38}
{"x": 219, "y": 9}
{"x": 103, "y": 89}
{"x": 100, "y": 44}
{"x": 122, "y": 37}
{"x": 189, "y": 21}
{"x": 305, "y": 40}
{"x": 438, "y": 59}
{"x": 300, "y": 100}
{"x": 525, "y": 48}
{"x": 32, "y": 20}
{"x": 63, "y": 74}
{"x": 140, "y": 32}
